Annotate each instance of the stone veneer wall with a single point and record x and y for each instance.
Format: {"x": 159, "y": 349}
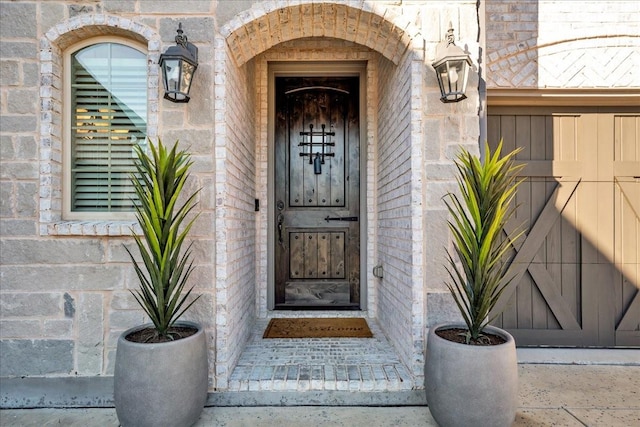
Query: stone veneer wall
{"x": 64, "y": 295}
{"x": 65, "y": 284}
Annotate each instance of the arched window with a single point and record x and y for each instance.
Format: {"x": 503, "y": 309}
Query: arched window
{"x": 106, "y": 115}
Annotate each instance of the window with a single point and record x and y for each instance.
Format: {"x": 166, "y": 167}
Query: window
{"x": 107, "y": 116}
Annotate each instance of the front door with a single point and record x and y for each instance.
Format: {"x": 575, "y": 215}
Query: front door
{"x": 317, "y": 193}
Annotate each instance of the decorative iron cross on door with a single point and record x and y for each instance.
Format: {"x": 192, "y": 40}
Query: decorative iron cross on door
{"x": 325, "y": 141}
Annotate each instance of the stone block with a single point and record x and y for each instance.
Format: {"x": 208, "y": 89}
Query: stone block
{"x": 22, "y": 101}
{"x": 6, "y": 199}
{"x": 126, "y": 319}
{"x": 20, "y": 328}
{"x": 90, "y": 334}
{"x": 69, "y": 306}
{"x": 433, "y": 146}
{"x": 118, "y": 6}
{"x": 205, "y": 224}
{"x": 436, "y": 272}
{"x": 112, "y": 338}
{"x": 31, "y": 304}
{"x": 7, "y": 150}
{"x": 26, "y": 148}
{"x": 67, "y": 251}
{"x": 117, "y": 252}
{"x": 18, "y": 49}
{"x": 9, "y": 73}
{"x": 26, "y": 199}
{"x": 198, "y": 30}
{"x": 202, "y": 312}
{"x": 80, "y": 9}
{"x": 19, "y": 170}
{"x": 175, "y": 8}
{"x": 123, "y": 301}
{"x": 18, "y": 20}
{"x": 171, "y": 119}
{"x": 58, "y": 328}
{"x": 16, "y": 227}
{"x": 30, "y": 75}
{"x": 198, "y": 141}
{"x": 36, "y": 357}
{"x": 201, "y": 105}
{"x": 51, "y": 13}
{"x": 227, "y": 10}
{"x": 202, "y": 278}
{"x": 436, "y": 191}
{"x": 61, "y": 278}
{"x": 442, "y": 308}
{"x": 452, "y": 150}
{"x": 440, "y": 171}
{"x": 17, "y": 123}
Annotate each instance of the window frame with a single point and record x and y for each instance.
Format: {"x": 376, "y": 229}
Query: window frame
{"x": 67, "y": 117}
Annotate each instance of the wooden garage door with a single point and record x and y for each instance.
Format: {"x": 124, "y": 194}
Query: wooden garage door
{"x": 577, "y": 266}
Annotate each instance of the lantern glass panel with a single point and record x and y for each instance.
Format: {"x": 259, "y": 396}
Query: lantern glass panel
{"x": 187, "y": 74}
{"x": 453, "y": 75}
{"x": 172, "y": 75}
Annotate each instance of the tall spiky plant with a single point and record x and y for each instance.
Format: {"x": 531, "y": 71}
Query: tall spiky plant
{"x": 478, "y": 271}
{"x": 158, "y": 183}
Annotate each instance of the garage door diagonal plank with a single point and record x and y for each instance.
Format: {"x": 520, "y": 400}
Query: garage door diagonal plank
{"x": 631, "y": 192}
{"x": 630, "y": 321}
{"x": 529, "y": 248}
{"x": 552, "y": 297}
{"x": 544, "y": 282}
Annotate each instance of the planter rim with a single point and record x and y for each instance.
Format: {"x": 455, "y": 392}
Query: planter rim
{"x": 491, "y": 329}
{"x": 197, "y": 326}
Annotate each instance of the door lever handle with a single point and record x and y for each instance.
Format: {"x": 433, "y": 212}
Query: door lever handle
{"x": 341, "y": 218}
{"x": 280, "y": 229}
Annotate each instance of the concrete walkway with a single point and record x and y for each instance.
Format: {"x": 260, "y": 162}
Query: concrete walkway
{"x": 559, "y": 395}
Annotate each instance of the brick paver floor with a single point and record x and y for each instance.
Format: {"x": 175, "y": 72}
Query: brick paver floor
{"x": 349, "y": 364}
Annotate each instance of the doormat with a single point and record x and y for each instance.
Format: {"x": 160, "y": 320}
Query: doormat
{"x": 333, "y": 327}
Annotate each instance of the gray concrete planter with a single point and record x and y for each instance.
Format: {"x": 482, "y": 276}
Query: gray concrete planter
{"x": 471, "y": 385}
{"x": 161, "y": 384}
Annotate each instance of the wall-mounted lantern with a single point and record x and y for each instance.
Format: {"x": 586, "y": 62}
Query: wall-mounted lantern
{"x": 178, "y": 65}
{"x": 452, "y": 69}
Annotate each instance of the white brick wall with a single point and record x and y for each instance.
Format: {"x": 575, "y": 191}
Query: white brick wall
{"x": 235, "y": 215}
{"x": 394, "y": 204}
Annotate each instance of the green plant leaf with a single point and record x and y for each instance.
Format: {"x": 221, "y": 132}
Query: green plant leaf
{"x": 478, "y": 272}
{"x": 165, "y": 269}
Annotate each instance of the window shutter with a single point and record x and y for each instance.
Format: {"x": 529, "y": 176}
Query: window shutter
{"x": 109, "y": 115}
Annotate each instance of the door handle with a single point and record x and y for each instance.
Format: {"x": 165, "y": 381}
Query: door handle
{"x": 341, "y": 218}
{"x": 280, "y": 229}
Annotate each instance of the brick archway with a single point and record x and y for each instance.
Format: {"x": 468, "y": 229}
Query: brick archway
{"x": 294, "y": 31}
{"x": 368, "y": 24}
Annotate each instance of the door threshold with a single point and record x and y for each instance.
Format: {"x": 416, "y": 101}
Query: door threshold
{"x": 294, "y": 307}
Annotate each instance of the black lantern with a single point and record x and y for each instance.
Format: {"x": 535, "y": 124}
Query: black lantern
{"x": 452, "y": 69}
{"x": 178, "y": 66}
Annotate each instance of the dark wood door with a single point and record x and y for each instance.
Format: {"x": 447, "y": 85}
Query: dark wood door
{"x": 317, "y": 193}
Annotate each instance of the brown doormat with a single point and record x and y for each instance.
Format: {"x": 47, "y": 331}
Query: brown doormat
{"x": 334, "y": 327}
